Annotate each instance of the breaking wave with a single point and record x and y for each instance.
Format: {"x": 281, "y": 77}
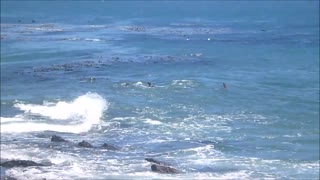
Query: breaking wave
{"x": 76, "y": 116}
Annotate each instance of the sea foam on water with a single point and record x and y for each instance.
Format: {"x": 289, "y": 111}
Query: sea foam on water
{"x": 87, "y": 110}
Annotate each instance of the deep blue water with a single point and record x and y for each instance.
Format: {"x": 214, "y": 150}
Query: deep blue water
{"x": 80, "y": 70}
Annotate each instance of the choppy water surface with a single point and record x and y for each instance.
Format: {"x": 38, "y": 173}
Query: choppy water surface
{"x": 81, "y": 70}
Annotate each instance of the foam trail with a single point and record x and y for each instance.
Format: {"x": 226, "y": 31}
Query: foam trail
{"x": 88, "y": 109}
{"x": 14, "y": 119}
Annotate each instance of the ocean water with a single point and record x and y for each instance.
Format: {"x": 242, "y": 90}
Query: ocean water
{"x": 81, "y": 69}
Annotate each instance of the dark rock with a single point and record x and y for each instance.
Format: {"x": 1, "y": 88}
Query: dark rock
{"x": 155, "y": 161}
{"x": 55, "y": 138}
{"x": 163, "y": 169}
{"x": 85, "y": 144}
{"x": 20, "y": 163}
{"x": 110, "y": 147}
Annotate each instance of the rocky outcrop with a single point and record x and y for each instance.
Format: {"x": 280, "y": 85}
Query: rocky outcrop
{"x": 163, "y": 169}
{"x": 110, "y": 147}
{"x": 20, "y": 163}
{"x": 85, "y": 144}
{"x": 55, "y": 138}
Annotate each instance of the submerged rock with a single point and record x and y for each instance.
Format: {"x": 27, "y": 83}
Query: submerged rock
{"x": 163, "y": 169}
{"x": 20, "y": 163}
{"x": 110, "y": 147}
{"x": 85, "y": 144}
{"x": 55, "y": 138}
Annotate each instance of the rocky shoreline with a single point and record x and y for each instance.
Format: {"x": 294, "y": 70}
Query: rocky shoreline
{"x": 156, "y": 166}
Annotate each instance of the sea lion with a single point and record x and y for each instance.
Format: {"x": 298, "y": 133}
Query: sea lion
{"x": 224, "y": 85}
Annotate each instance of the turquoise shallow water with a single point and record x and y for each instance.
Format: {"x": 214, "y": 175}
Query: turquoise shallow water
{"x": 81, "y": 70}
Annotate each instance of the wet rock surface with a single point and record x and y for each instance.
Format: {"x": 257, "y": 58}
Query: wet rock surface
{"x": 56, "y": 138}
{"x": 85, "y": 144}
{"x": 110, "y": 147}
{"x": 20, "y": 163}
{"x": 156, "y": 166}
{"x": 163, "y": 169}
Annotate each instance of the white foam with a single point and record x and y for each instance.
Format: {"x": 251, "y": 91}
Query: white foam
{"x": 141, "y": 85}
{"x": 49, "y": 29}
{"x": 93, "y": 39}
{"x": 73, "y": 39}
{"x": 154, "y": 122}
{"x": 183, "y": 83}
{"x": 86, "y": 110}
{"x": 97, "y": 26}
{"x": 17, "y": 118}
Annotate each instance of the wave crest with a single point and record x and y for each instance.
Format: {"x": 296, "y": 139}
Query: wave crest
{"x": 78, "y": 115}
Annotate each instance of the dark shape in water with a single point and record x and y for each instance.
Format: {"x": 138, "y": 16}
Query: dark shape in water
{"x": 33, "y": 21}
{"x": 224, "y": 85}
{"x": 163, "y": 169}
{"x": 67, "y": 67}
{"x": 92, "y": 79}
{"x": 149, "y": 84}
{"x": 55, "y": 138}
{"x": 109, "y": 147}
{"x": 155, "y": 161}
{"x": 85, "y": 144}
{"x": 135, "y": 29}
{"x": 20, "y": 163}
